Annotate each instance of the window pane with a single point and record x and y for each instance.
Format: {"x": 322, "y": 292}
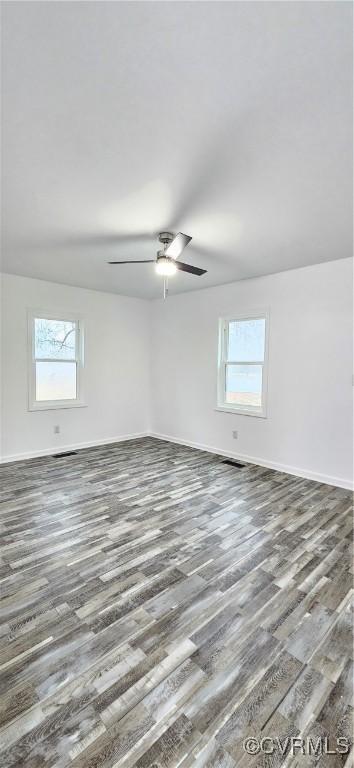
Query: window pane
{"x": 55, "y": 381}
{"x": 54, "y": 338}
{"x": 246, "y": 340}
{"x": 244, "y": 385}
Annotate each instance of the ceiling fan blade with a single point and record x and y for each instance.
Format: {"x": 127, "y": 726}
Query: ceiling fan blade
{"x": 143, "y": 261}
{"x": 177, "y": 245}
{"x": 188, "y": 268}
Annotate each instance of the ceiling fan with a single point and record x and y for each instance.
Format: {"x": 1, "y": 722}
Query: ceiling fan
{"x": 166, "y": 262}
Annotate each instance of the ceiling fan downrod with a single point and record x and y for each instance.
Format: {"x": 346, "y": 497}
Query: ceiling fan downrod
{"x": 165, "y": 238}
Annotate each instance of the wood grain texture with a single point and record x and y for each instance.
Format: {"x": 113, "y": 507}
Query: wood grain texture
{"x": 158, "y": 606}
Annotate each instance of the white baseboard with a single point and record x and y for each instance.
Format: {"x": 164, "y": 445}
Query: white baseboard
{"x": 71, "y": 447}
{"x": 289, "y": 470}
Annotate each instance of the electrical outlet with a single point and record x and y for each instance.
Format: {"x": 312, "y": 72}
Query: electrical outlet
{"x": 235, "y": 434}
{"x": 56, "y": 429}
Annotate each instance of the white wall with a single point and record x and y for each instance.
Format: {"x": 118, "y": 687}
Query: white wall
{"x": 309, "y": 426}
{"x": 117, "y": 368}
{"x": 151, "y": 367}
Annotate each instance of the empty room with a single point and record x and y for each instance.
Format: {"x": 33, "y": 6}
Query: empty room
{"x": 176, "y": 471}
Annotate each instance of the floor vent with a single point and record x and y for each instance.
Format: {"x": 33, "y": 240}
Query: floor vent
{"x": 62, "y": 455}
{"x": 233, "y": 463}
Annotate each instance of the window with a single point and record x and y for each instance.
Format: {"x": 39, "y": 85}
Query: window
{"x": 55, "y": 361}
{"x": 242, "y": 374}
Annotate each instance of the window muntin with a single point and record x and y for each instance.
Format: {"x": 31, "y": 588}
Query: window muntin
{"x": 56, "y": 361}
{"x": 242, "y": 363}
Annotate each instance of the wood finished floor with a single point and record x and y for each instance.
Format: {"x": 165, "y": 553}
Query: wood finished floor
{"x": 159, "y": 606}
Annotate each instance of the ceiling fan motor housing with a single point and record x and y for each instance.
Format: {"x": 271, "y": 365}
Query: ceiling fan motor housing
{"x": 166, "y": 238}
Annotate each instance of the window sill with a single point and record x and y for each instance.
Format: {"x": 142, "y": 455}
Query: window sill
{"x": 241, "y": 411}
{"x": 55, "y": 406}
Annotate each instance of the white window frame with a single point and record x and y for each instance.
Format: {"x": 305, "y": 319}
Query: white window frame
{"x": 45, "y": 405}
{"x": 222, "y": 405}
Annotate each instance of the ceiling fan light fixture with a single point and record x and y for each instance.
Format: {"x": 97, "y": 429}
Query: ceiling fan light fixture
{"x": 165, "y": 266}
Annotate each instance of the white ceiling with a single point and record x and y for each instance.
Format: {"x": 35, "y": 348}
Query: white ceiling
{"x": 228, "y": 121}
